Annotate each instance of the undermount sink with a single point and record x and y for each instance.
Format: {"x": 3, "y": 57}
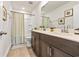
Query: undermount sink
{"x": 61, "y": 33}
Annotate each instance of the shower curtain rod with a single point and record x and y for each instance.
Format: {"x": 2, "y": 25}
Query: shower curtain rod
{"x": 24, "y": 13}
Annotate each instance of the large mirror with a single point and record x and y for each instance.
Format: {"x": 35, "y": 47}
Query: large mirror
{"x": 59, "y": 14}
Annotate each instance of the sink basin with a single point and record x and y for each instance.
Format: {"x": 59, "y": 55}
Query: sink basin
{"x": 61, "y": 33}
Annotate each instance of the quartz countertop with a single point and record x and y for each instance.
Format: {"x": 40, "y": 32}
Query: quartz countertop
{"x": 68, "y": 36}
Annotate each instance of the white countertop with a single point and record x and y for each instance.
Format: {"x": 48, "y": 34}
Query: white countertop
{"x": 69, "y": 36}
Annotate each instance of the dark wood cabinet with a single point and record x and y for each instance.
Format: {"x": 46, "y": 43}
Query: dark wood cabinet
{"x": 35, "y": 43}
{"x": 50, "y": 46}
{"x": 50, "y": 51}
{"x": 37, "y": 47}
{"x": 59, "y": 53}
{"x": 45, "y": 49}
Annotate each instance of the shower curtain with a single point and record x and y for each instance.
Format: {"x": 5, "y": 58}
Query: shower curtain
{"x": 18, "y": 28}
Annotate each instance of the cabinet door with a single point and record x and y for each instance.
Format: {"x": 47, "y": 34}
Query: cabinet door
{"x": 45, "y": 49}
{"x": 58, "y": 53}
{"x": 33, "y": 42}
{"x": 37, "y": 46}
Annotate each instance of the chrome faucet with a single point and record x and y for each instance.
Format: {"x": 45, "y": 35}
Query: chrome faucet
{"x": 66, "y": 29}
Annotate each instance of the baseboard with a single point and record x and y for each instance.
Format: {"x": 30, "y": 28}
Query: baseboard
{"x": 8, "y": 49}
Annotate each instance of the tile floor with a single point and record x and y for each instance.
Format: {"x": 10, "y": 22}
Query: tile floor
{"x": 21, "y": 51}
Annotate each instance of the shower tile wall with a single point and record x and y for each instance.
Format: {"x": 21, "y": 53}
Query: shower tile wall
{"x": 27, "y": 26}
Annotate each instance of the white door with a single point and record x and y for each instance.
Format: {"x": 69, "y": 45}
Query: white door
{"x": 1, "y": 28}
{"x": 1, "y": 46}
{"x": 5, "y": 26}
{"x": 3, "y": 38}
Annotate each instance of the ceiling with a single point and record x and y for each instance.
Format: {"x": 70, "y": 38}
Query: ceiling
{"x": 27, "y": 6}
{"x": 51, "y": 5}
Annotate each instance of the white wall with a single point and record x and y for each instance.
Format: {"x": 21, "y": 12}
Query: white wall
{"x": 36, "y": 19}
{"x": 76, "y": 17}
{"x": 59, "y": 12}
{"x": 27, "y": 25}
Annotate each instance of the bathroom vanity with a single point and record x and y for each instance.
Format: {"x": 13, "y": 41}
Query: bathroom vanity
{"x": 52, "y": 44}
